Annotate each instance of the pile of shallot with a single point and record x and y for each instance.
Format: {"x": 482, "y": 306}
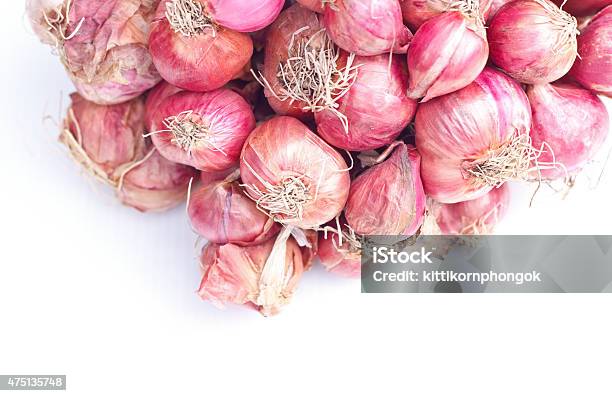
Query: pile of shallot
{"x": 293, "y": 129}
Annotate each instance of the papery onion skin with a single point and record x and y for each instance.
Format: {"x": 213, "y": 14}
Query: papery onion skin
{"x": 388, "y": 198}
{"x": 155, "y": 97}
{"x": 202, "y": 62}
{"x": 367, "y": 27}
{"x": 221, "y": 213}
{"x": 283, "y": 148}
{"x": 477, "y": 216}
{"x": 103, "y": 46}
{"x": 526, "y": 42}
{"x": 571, "y": 122}
{"x": 593, "y": 69}
{"x": 231, "y": 274}
{"x": 339, "y": 259}
{"x": 278, "y": 39}
{"x": 313, "y": 5}
{"x": 244, "y": 15}
{"x": 227, "y": 118}
{"x": 376, "y": 106}
{"x": 447, "y": 53}
{"x": 207, "y": 178}
{"x": 417, "y": 12}
{"x": 582, "y": 8}
{"x": 465, "y": 125}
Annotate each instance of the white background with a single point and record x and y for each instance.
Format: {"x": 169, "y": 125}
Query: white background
{"x": 106, "y": 295}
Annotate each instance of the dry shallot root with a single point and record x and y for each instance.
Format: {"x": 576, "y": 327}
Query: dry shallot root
{"x": 108, "y": 142}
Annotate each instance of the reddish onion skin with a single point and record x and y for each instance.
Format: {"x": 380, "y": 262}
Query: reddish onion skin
{"x": 339, "y": 259}
{"x": 523, "y": 39}
{"x": 376, "y": 106}
{"x": 495, "y": 6}
{"x": 155, "y": 97}
{"x": 581, "y": 8}
{"x": 466, "y": 125}
{"x": 278, "y": 39}
{"x": 231, "y": 274}
{"x": 313, "y": 5}
{"x": 103, "y": 47}
{"x": 367, "y": 27}
{"x": 227, "y": 117}
{"x": 477, "y": 216}
{"x": 417, "y": 12}
{"x": 447, "y": 53}
{"x": 388, "y": 198}
{"x": 571, "y": 120}
{"x": 283, "y": 147}
{"x": 201, "y": 62}
{"x": 244, "y": 15}
{"x": 593, "y": 69}
{"x": 221, "y": 213}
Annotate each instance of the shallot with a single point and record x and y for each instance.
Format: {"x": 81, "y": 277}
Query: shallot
{"x": 475, "y": 139}
{"x": 244, "y": 15}
{"x": 340, "y": 254}
{"x": 533, "y": 41}
{"x": 417, "y": 12}
{"x": 571, "y": 122}
{"x": 581, "y": 8}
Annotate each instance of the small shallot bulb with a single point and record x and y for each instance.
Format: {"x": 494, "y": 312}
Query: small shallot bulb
{"x": 448, "y": 52}
{"x": 374, "y": 110}
{"x": 107, "y": 142}
{"x": 221, "y": 213}
{"x": 417, "y": 12}
{"x": 582, "y": 8}
{"x": 203, "y": 130}
{"x": 263, "y": 277}
{"x": 293, "y": 174}
{"x": 475, "y": 139}
{"x": 191, "y": 51}
{"x": 571, "y": 122}
{"x": 593, "y": 69}
{"x": 479, "y": 216}
{"x": 533, "y": 41}
{"x": 244, "y": 15}
{"x": 388, "y": 198}
{"x": 367, "y": 27}
{"x": 340, "y": 254}
{"x": 102, "y": 45}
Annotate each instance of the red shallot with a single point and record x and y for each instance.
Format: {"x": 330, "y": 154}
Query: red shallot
{"x": 203, "y": 130}
{"x": 533, "y": 41}
{"x": 191, "y": 51}
{"x": 479, "y": 216}
{"x": 221, "y": 213}
{"x": 417, "y": 12}
{"x": 475, "y": 139}
{"x": 367, "y": 27}
{"x": 388, "y": 198}
{"x": 448, "y": 52}
{"x": 593, "y": 69}
{"x": 374, "y": 110}
{"x": 293, "y": 174}
{"x": 581, "y": 8}
{"x": 244, "y": 15}
{"x": 571, "y": 121}
{"x": 103, "y": 45}
{"x": 340, "y": 254}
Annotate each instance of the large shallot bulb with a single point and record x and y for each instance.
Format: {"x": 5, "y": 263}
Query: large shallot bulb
{"x": 533, "y": 41}
{"x": 191, "y": 51}
{"x": 448, "y": 52}
{"x": 107, "y": 142}
{"x": 204, "y": 130}
{"x": 293, "y": 174}
{"x": 367, "y": 27}
{"x": 221, "y": 213}
{"x": 263, "y": 276}
{"x": 303, "y": 70}
{"x": 475, "y": 139}
{"x": 388, "y": 198}
{"x": 479, "y": 216}
{"x": 571, "y": 122}
{"x": 103, "y": 45}
{"x": 593, "y": 69}
{"x": 374, "y": 110}
{"x": 417, "y": 12}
